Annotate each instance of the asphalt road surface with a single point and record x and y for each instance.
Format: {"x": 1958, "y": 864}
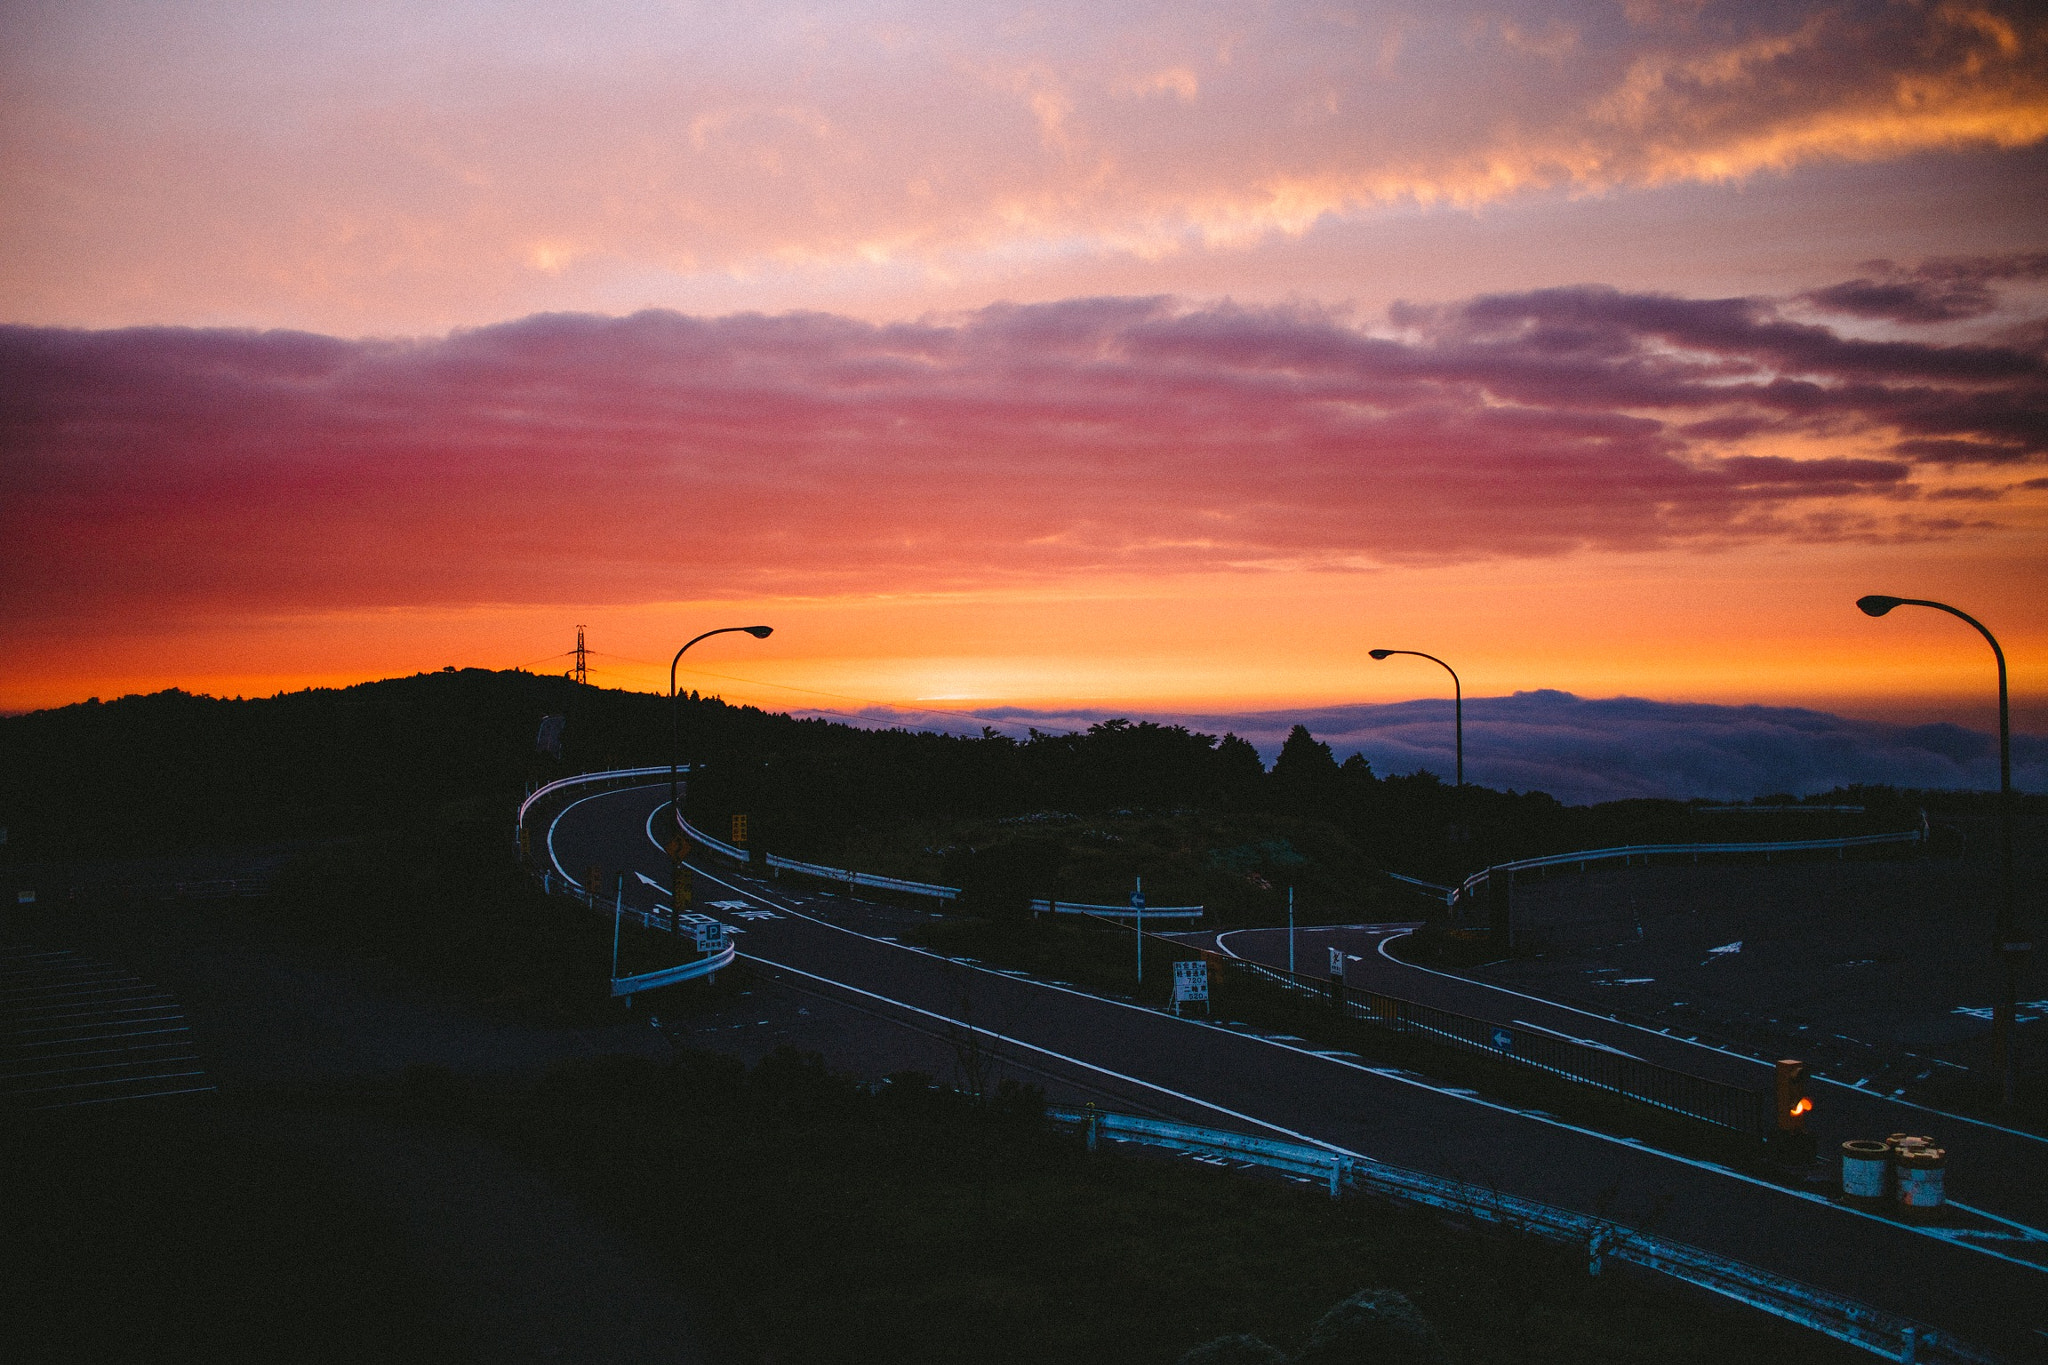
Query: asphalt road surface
{"x": 1227, "y": 1077}
{"x": 1999, "y": 1171}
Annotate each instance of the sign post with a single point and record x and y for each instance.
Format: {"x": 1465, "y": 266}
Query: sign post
{"x": 1138, "y": 921}
{"x": 1190, "y": 983}
{"x": 1290, "y": 931}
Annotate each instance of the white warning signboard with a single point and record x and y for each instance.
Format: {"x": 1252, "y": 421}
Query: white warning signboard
{"x": 1336, "y": 962}
{"x": 1190, "y": 981}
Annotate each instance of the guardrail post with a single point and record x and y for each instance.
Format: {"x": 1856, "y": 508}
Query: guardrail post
{"x": 1596, "y": 1250}
{"x": 1094, "y": 1125}
{"x": 1910, "y": 1345}
{"x": 1336, "y": 1177}
{"x": 1500, "y": 891}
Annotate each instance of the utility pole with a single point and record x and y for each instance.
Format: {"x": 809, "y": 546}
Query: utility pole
{"x": 582, "y": 674}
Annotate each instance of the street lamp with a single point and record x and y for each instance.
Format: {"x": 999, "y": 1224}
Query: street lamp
{"x": 2008, "y": 945}
{"x": 1457, "y": 691}
{"x": 675, "y": 730}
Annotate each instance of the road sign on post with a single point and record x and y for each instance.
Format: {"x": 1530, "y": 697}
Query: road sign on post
{"x": 1191, "y": 982}
{"x": 710, "y": 936}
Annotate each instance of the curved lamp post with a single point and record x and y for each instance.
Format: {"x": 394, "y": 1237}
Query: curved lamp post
{"x": 1457, "y": 691}
{"x": 675, "y": 730}
{"x": 2009, "y": 949}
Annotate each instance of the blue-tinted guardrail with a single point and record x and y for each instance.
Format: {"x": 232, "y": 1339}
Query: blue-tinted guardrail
{"x": 1834, "y": 1315}
{"x": 1628, "y": 853}
{"x": 1050, "y": 907}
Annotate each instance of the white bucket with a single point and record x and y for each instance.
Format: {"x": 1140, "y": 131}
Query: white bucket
{"x": 1865, "y": 1164}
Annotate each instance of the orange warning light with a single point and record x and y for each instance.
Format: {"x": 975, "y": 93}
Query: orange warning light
{"x": 1793, "y": 1104}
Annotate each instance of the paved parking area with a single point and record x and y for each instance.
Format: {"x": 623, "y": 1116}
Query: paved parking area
{"x": 78, "y": 1031}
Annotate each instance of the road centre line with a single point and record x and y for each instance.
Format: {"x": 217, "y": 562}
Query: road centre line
{"x": 57, "y": 1011}
{"x": 83, "y": 1026}
{"x": 90, "y": 1052}
{"x": 68, "y": 992}
{"x": 123, "y": 1080}
{"x": 48, "y": 983}
{"x": 96, "y": 1066}
{"x": 105, "y": 1037}
{"x": 146, "y": 1095}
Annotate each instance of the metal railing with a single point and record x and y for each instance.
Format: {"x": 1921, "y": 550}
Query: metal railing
{"x": 1052, "y": 907}
{"x": 608, "y": 775}
{"x": 1630, "y": 852}
{"x": 845, "y": 876}
{"x": 1734, "y": 1107}
{"x": 723, "y": 955}
{"x": 1835, "y": 1315}
{"x": 733, "y": 851}
{"x": 669, "y": 976}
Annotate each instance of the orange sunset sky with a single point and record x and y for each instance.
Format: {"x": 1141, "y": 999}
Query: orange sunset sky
{"x": 1146, "y": 356}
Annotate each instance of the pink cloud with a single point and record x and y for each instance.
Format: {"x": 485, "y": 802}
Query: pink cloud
{"x": 239, "y": 160}
{"x": 572, "y": 458}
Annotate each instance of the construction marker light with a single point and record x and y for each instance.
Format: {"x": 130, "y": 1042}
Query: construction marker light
{"x": 1793, "y": 1104}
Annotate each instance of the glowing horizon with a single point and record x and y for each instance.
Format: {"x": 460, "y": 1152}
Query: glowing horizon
{"x": 1080, "y": 357}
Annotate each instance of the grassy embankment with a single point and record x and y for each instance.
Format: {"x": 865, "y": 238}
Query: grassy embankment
{"x": 822, "y": 1222}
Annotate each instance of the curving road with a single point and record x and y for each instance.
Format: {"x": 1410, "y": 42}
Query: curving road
{"x": 1211, "y": 1073}
{"x": 1999, "y": 1172}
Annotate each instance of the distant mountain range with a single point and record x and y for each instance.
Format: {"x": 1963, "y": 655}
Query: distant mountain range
{"x": 1584, "y": 750}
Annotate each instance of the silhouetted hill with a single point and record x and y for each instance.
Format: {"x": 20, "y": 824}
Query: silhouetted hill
{"x": 149, "y": 774}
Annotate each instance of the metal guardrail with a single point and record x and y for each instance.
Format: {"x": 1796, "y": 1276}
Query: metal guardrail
{"x": 669, "y": 976}
{"x": 715, "y": 845}
{"x": 650, "y": 919}
{"x": 738, "y": 854}
{"x": 1445, "y": 892}
{"x": 1052, "y": 907}
{"x": 868, "y": 879}
{"x": 844, "y": 875}
{"x": 1834, "y": 1315}
{"x": 559, "y": 783}
{"x": 1630, "y": 852}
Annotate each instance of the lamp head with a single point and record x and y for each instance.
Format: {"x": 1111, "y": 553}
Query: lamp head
{"x": 1877, "y": 604}
{"x": 759, "y": 632}
{"x": 1379, "y": 653}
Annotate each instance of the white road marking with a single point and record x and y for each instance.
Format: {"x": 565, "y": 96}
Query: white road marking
{"x": 1738, "y": 1056}
{"x": 1583, "y": 1042}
